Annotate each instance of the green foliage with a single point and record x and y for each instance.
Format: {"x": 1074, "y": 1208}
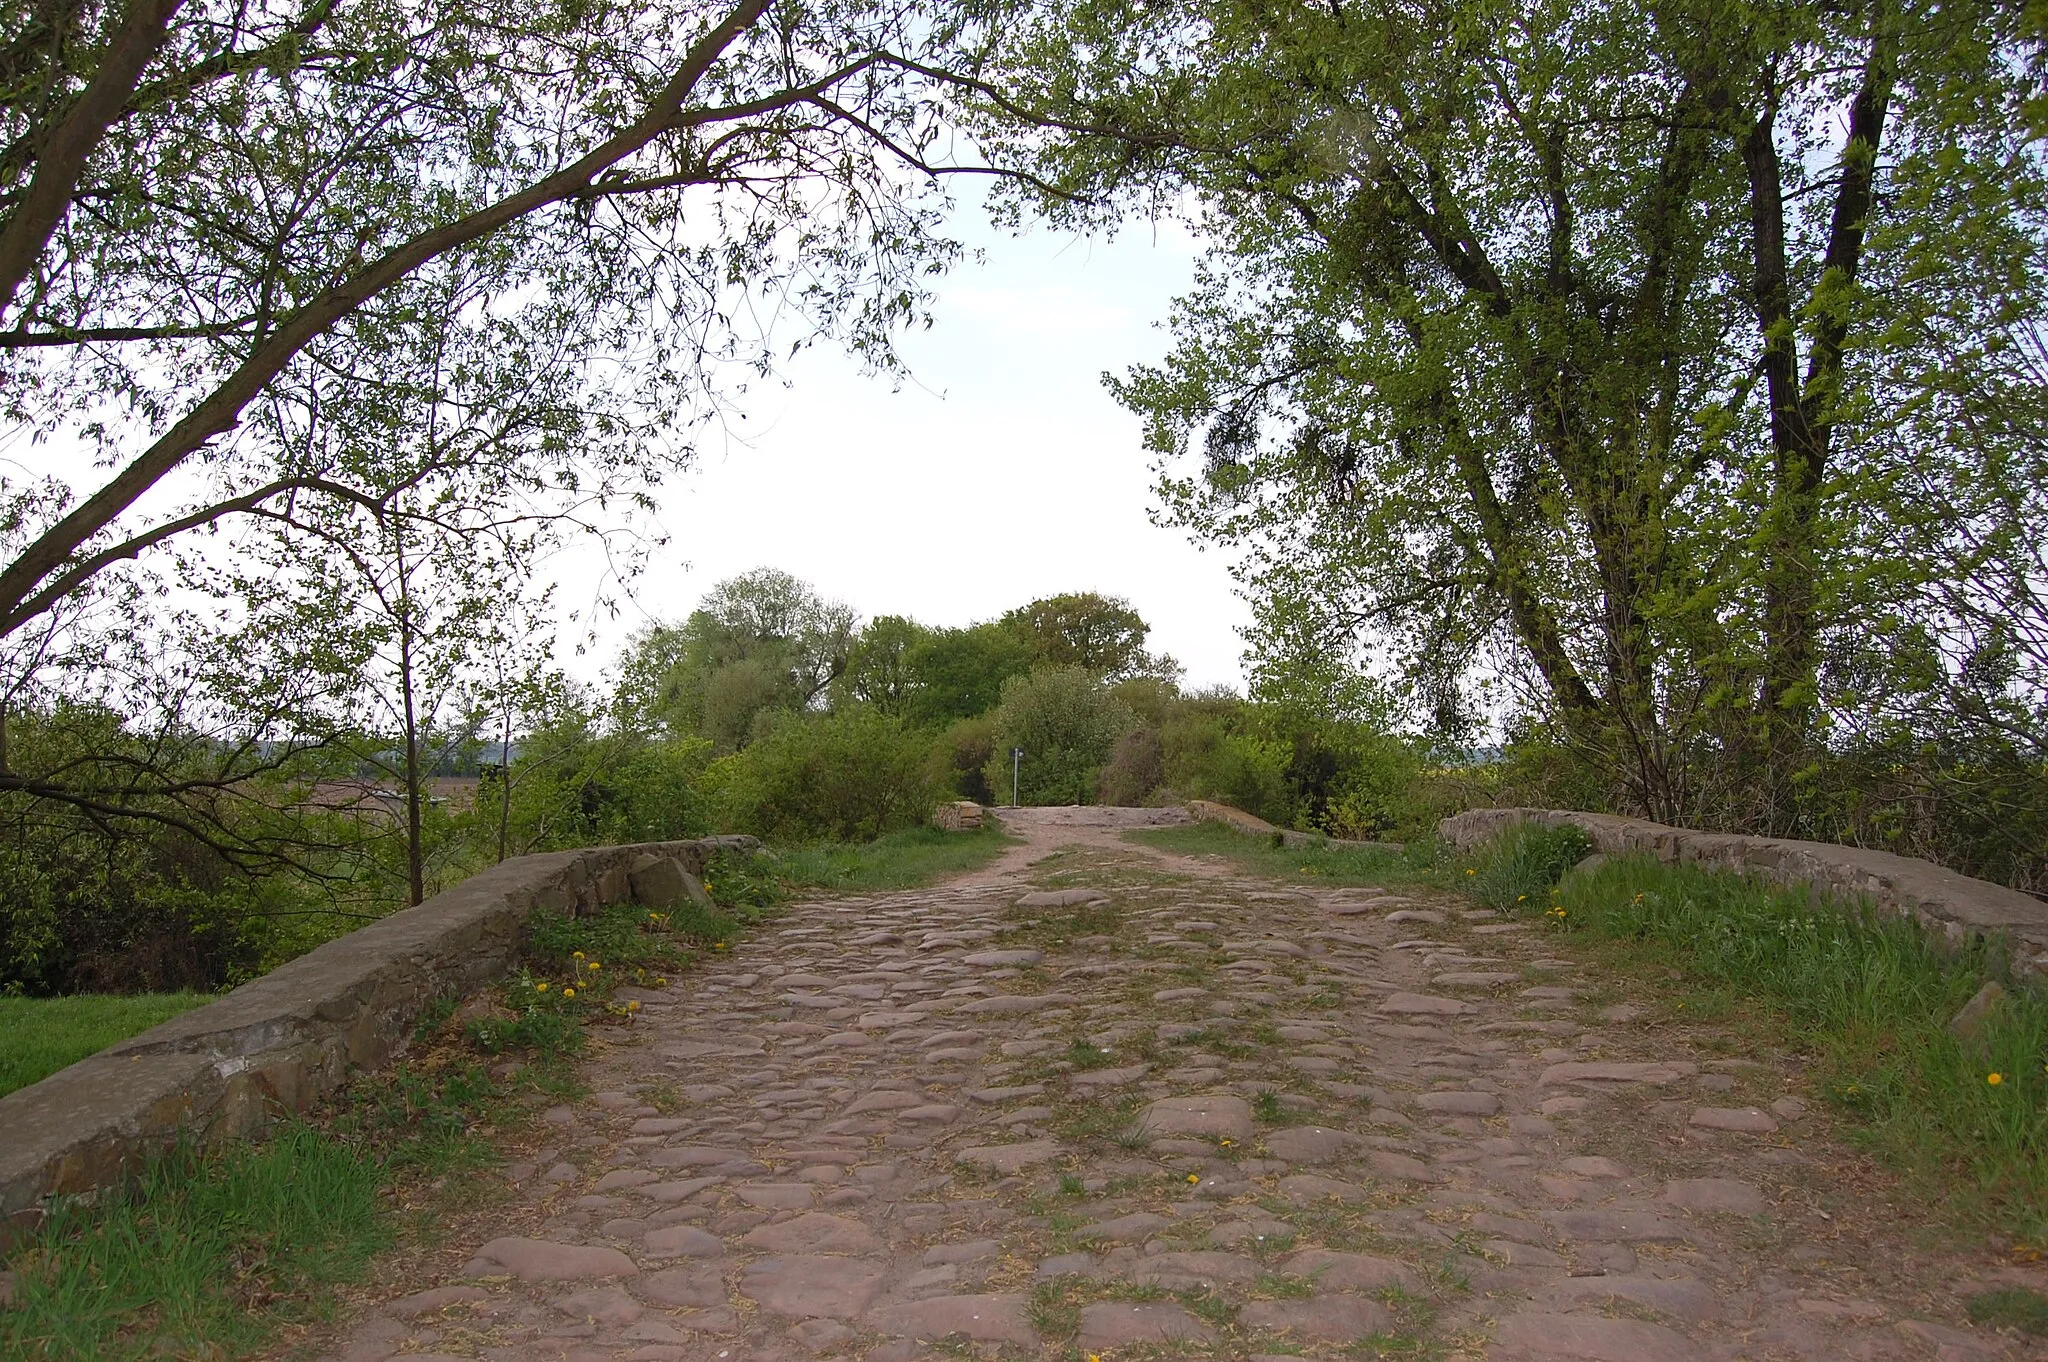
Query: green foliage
{"x": 1100, "y": 635}
{"x": 203, "y": 1256}
{"x": 39, "y": 1036}
{"x": 1442, "y": 438}
{"x": 1869, "y": 996}
{"x": 850, "y": 775}
{"x": 1208, "y": 752}
{"x": 879, "y": 671}
{"x": 1135, "y": 771}
{"x": 576, "y": 786}
{"x": 1519, "y": 867}
{"x": 760, "y": 644}
{"x": 961, "y": 755}
{"x": 1068, "y": 724}
{"x": 959, "y": 673}
{"x": 151, "y": 903}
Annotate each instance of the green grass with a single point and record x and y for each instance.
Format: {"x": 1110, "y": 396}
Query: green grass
{"x": 205, "y": 1258}
{"x": 1517, "y": 868}
{"x": 39, "y": 1036}
{"x": 2011, "y": 1308}
{"x": 1866, "y": 995}
{"x": 900, "y": 860}
{"x": 1332, "y": 864}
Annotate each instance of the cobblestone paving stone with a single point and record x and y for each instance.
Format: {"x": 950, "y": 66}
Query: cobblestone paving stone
{"x": 1171, "y": 1112}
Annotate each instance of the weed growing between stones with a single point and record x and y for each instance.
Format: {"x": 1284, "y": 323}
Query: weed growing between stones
{"x": 1519, "y": 867}
{"x": 575, "y": 966}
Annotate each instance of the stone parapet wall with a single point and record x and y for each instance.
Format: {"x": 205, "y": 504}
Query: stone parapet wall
{"x": 1950, "y": 903}
{"x": 280, "y": 1042}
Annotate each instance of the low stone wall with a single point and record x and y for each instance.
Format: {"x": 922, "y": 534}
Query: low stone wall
{"x": 1208, "y": 811}
{"x": 279, "y": 1042}
{"x": 1953, "y": 904}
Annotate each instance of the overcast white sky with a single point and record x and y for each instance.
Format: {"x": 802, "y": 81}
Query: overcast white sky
{"x": 1002, "y": 471}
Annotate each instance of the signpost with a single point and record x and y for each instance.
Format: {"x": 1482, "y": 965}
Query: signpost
{"x": 1016, "y": 764}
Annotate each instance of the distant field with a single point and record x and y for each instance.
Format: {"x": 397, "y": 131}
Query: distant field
{"x": 39, "y": 1036}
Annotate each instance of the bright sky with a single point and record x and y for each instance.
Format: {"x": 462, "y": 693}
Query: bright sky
{"x": 1000, "y": 472}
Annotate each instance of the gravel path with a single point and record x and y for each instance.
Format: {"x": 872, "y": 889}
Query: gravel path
{"x": 1164, "y": 1110}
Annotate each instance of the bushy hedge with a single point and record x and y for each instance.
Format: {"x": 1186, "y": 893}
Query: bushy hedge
{"x": 851, "y": 775}
{"x": 1068, "y": 724}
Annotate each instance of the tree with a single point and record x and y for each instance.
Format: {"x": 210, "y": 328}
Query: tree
{"x": 959, "y": 673}
{"x": 878, "y": 668}
{"x": 1547, "y": 335}
{"x": 221, "y": 223}
{"x": 1068, "y": 724}
{"x": 1100, "y": 634}
{"x": 758, "y": 644}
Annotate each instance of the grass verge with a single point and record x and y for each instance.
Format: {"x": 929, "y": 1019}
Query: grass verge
{"x": 204, "y": 1257}
{"x": 39, "y": 1036}
{"x": 1868, "y": 996}
{"x": 1333, "y": 864}
{"x": 901, "y": 860}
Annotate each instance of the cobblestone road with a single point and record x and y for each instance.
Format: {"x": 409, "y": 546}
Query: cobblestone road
{"x": 1165, "y": 1110}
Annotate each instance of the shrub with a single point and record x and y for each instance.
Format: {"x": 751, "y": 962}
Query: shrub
{"x": 847, "y": 776}
{"x": 960, "y": 755}
{"x": 1068, "y": 724}
{"x": 1378, "y": 792}
{"x": 573, "y": 787}
{"x": 1205, "y": 756}
{"x": 1136, "y": 769}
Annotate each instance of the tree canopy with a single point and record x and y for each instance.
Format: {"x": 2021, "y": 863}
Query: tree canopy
{"x": 1580, "y": 344}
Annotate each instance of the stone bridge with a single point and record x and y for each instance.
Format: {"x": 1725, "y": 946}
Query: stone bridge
{"x": 1098, "y": 1101}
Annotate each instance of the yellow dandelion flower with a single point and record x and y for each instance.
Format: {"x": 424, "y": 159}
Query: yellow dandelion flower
{"x": 663, "y": 982}
{"x": 594, "y": 964}
{"x": 1994, "y": 1079}
{"x": 718, "y": 945}
{"x": 633, "y": 1006}
{"x": 1194, "y": 1177}
{"x": 1470, "y": 871}
{"x": 576, "y": 955}
{"x": 568, "y": 993}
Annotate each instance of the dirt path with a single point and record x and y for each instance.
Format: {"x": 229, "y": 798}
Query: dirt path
{"x": 1166, "y": 1110}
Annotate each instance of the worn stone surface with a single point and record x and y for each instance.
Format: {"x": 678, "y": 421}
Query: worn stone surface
{"x": 1192, "y": 1130}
